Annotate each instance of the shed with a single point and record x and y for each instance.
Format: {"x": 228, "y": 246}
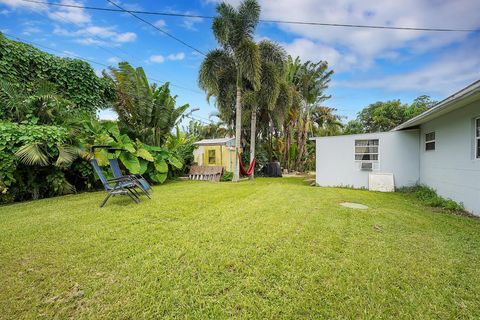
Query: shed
{"x": 216, "y": 152}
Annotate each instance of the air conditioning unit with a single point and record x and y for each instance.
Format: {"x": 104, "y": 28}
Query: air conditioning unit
{"x": 366, "y": 166}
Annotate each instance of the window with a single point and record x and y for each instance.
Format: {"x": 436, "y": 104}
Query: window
{"x": 366, "y": 150}
{"x": 211, "y": 156}
{"x": 430, "y": 141}
{"x": 477, "y": 138}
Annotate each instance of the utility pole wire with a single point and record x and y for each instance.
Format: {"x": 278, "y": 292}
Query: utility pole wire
{"x": 159, "y": 29}
{"x": 312, "y": 23}
{"x": 94, "y": 62}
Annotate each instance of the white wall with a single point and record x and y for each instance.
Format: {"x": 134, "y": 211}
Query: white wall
{"x": 452, "y": 168}
{"x": 398, "y": 154}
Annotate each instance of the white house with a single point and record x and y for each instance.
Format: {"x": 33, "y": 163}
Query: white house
{"x": 439, "y": 148}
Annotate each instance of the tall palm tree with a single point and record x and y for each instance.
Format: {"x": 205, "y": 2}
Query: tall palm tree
{"x": 145, "y": 111}
{"x": 225, "y": 71}
{"x": 309, "y": 80}
{"x": 326, "y": 122}
{"x": 265, "y": 99}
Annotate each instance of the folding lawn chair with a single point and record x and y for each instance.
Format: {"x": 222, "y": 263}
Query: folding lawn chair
{"x": 117, "y": 173}
{"x": 117, "y": 186}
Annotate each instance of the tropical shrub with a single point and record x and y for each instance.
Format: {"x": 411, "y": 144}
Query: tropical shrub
{"x": 31, "y": 154}
{"x": 48, "y": 125}
{"x": 181, "y": 146}
{"x": 151, "y": 161}
{"x": 227, "y": 176}
{"x": 146, "y": 112}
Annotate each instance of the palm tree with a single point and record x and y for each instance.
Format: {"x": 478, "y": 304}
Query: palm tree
{"x": 225, "y": 71}
{"x": 145, "y": 111}
{"x": 265, "y": 100}
{"x": 309, "y": 81}
{"x": 326, "y": 122}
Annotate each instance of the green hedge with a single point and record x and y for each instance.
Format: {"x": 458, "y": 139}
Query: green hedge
{"x": 75, "y": 80}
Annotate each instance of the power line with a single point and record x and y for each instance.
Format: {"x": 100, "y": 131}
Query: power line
{"x": 122, "y": 58}
{"x": 93, "y": 61}
{"x": 92, "y": 35}
{"x": 199, "y": 120}
{"x": 157, "y": 28}
{"x": 312, "y": 23}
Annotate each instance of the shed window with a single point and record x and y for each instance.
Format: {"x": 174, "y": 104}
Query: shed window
{"x": 477, "y": 138}
{"x": 366, "y": 150}
{"x": 211, "y": 156}
{"x": 430, "y": 141}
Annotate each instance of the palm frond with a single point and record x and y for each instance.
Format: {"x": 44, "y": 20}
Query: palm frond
{"x": 32, "y": 154}
{"x": 66, "y": 155}
{"x": 248, "y": 60}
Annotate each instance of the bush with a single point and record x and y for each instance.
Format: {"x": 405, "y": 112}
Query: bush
{"x": 21, "y": 63}
{"x": 227, "y": 176}
{"x": 429, "y": 197}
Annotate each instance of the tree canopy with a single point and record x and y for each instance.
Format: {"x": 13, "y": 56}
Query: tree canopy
{"x": 384, "y": 116}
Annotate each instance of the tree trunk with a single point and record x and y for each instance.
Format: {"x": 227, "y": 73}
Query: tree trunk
{"x": 253, "y": 135}
{"x": 269, "y": 141}
{"x": 302, "y": 139}
{"x": 238, "y": 132}
{"x": 286, "y": 154}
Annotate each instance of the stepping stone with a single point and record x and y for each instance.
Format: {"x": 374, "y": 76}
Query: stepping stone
{"x": 353, "y": 205}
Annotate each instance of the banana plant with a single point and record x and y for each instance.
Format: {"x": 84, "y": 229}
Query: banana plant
{"x": 136, "y": 156}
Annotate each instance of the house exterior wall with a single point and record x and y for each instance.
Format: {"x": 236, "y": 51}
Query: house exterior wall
{"x": 398, "y": 154}
{"x": 452, "y": 168}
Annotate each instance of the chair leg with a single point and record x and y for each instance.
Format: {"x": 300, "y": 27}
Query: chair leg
{"x": 105, "y": 200}
{"x": 135, "y": 192}
{"x": 133, "y": 198}
{"x": 143, "y": 190}
{"x": 132, "y": 192}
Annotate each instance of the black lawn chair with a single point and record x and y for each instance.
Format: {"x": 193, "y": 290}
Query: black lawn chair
{"x": 117, "y": 186}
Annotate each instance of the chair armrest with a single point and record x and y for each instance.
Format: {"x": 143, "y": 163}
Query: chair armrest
{"x": 121, "y": 179}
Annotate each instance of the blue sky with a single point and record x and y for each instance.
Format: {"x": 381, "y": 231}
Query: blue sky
{"x": 370, "y": 65}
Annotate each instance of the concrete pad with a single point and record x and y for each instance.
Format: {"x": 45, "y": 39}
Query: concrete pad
{"x": 353, "y": 205}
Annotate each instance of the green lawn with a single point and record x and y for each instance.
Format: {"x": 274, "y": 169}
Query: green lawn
{"x": 272, "y": 248}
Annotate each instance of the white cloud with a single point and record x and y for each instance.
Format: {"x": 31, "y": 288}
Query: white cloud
{"x": 314, "y": 51}
{"x": 368, "y": 44}
{"x": 171, "y": 57}
{"x": 25, "y": 5}
{"x": 158, "y": 58}
{"x": 176, "y": 56}
{"x": 113, "y": 60}
{"x": 30, "y": 30}
{"x": 160, "y": 23}
{"x": 360, "y": 48}
{"x": 61, "y": 14}
{"x": 102, "y": 32}
{"x": 189, "y": 23}
{"x": 90, "y": 41}
{"x": 126, "y": 37}
{"x": 96, "y": 35}
{"x": 69, "y": 14}
{"x": 447, "y": 74}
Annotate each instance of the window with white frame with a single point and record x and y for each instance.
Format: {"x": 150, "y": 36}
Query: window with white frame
{"x": 477, "y": 138}
{"x": 366, "y": 150}
{"x": 430, "y": 141}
